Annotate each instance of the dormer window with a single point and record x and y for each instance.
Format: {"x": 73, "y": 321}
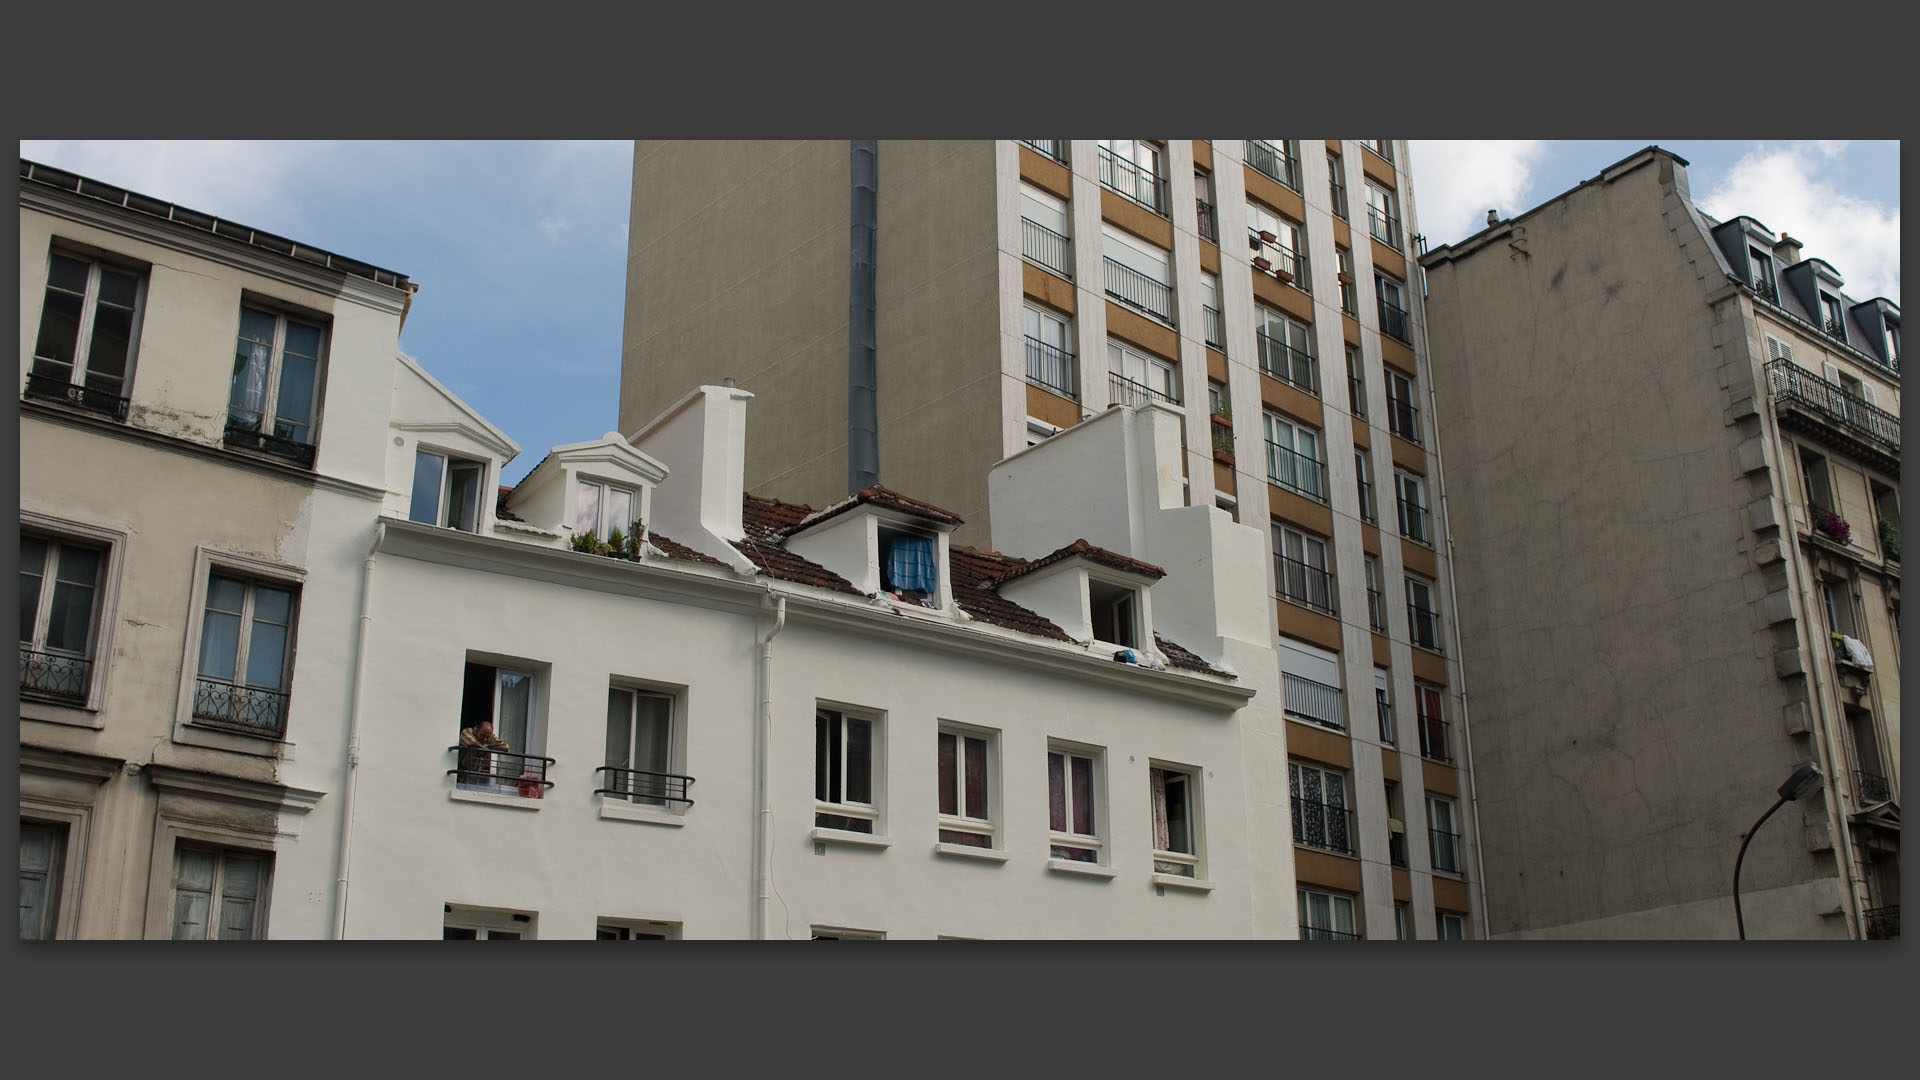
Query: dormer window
{"x": 909, "y": 566}
{"x": 446, "y": 490}
{"x": 1762, "y": 273}
{"x": 1115, "y": 613}
{"x": 1830, "y": 312}
{"x": 601, "y": 508}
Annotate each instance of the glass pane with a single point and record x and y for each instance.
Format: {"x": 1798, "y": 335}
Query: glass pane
{"x": 586, "y": 513}
{"x": 1177, "y": 836}
{"x": 67, "y": 274}
{"x": 272, "y": 605}
{"x": 425, "y": 506}
{"x": 516, "y": 702}
{"x": 71, "y": 616}
{"x": 118, "y": 289}
{"x": 107, "y": 354}
{"x": 977, "y": 806}
{"x": 33, "y": 901}
{"x": 652, "y": 731}
{"x": 463, "y": 497}
{"x": 267, "y": 655}
{"x": 33, "y": 561}
{"x": 78, "y": 564}
{"x": 1082, "y": 795}
{"x": 458, "y": 933}
{"x": 619, "y": 731}
{"x": 59, "y": 327}
{"x": 859, "y": 761}
{"x": 302, "y": 341}
{"x": 822, "y": 756}
{"x": 196, "y": 869}
{"x": 1343, "y": 915}
{"x": 1057, "y": 792}
{"x": 36, "y": 848}
{"x": 949, "y": 781}
{"x": 219, "y": 644}
{"x": 619, "y": 510}
{"x": 293, "y": 409}
{"x": 249, "y": 394}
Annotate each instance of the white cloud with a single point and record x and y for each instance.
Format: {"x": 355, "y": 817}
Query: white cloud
{"x": 1793, "y": 187}
{"x": 1457, "y": 181}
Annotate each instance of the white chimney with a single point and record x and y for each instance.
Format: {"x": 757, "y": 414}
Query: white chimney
{"x": 702, "y": 440}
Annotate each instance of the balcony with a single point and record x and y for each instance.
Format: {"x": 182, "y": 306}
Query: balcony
{"x": 1295, "y": 367}
{"x": 1209, "y": 227}
{"x": 638, "y": 785}
{"x": 298, "y": 453}
{"x": 1816, "y": 407}
{"x": 1272, "y": 161}
{"x": 1424, "y": 626}
{"x": 1222, "y": 431}
{"x": 255, "y": 710}
{"x": 1436, "y": 742}
{"x": 1368, "y": 513}
{"x": 1138, "y": 291}
{"x": 1383, "y": 227}
{"x": 1130, "y": 182}
{"x": 1321, "y": 933}
{"x": 1124, "y": 391}
{"x": 1045, "y": 248}
{"x": 1051, "y": 368}
{"x": 1444, "y": 848}
{"x": 1312, "y": 701}
{"x": 1403, "y": 420}
{"x": 1393, "y": 322}
{"x": 1377, "y": 622}
{"x": 1871, "y": 788}
{"x": 1216, "y": 322}
{"x": 1296, "y": 472}
{"x": 1356, "y": 395}
{"x": 1881, "y": 923}
{"x": 1415, "y": 524}
{"x": 53, "y": 388}
{"x": 58, "y": 676}
{"x": 1383, "y": 710}
{"x": 1274, "y": 258}
{"x": 1307, "y": 585}
{"x": 501, "y": 773}
{"x": 1324, "y": 827}
{"x": 1054, "y": 149}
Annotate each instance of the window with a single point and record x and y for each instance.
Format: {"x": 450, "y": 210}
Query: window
{"x": 1044, "y": 229}
{"x": 1208, "y": 225}
{"x": 600, "y": 509}
{"x": 1409, "y": 493}
{"x": 1131, "y": 167}
{"x": 843, "y": 771}
{"x": 1452, "y": 927}
{"x": 1376, "y": 608}
{"x": 1893, "y": 343}
{"x": 1176, "y": 842}
{"x": 89, "y": 327}
{"x": 909, "y": 566}
{"x": 1839, "y": 605}
{"x": 635, "y": 930}
{"x": 43, "y": 850}
{"x": 1396, "y": 826}
{"x": 1139, "y": 275}
{"x": 1423, "y": 617}
{"x": 1813, "y": 468}
{"x": 1053, "y": 148}
{"x": 219, "y": 893}
{"x": 1320, "y": 816}
{"x": 498, "y": 732}
{"x": 1402, "y": 921}
{"x": 1310, "y": 684}
{"x": 1275, "y": 159}
{"x": 1363, "y": 481}
{"x": 1293, "y": 457}
{"x": 1278, "y": 243}
{"x": 1402, "y": 418}
{"x": 1212, "y": 316}
{"x": 640, "y": 749}
{"x": 1139, "y": 377}
{"x": 1337, "y": 186}
{"x": 1349, "y": 289}
{"x": 486, "y": 924}
{"x": 1762, "y": 267}
{"x": 1286, "y": 349}
{"x": 446, "y": 490}
{"x": 840, "y": 933}
{"x": 966, "y": 795}
{"x": 1383, "y": 221}
{"x": 1434, "y": 740}
{"x": 1326, "y": 916}
{"x": 1050, "y": 350}
{"x": 1830, "y": 310}
{"x": 1383, "y": 705}
{"x": 1072, "y": 797}
{"x": 1886, "y": 512}
{"x": 276, "y": 379}
{"x": 1444, "y": 841}
{"x": 1115, "y": 613}
{"x": 60, "y": 586}
{"x": 246, "y": 654}
{"x": 1356, "y": 389}
{"x": 1392, "y": 297}
{"x": 1300, "y": 568}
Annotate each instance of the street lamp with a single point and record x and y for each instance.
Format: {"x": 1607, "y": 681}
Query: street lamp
{"x": 1804, "y": 779}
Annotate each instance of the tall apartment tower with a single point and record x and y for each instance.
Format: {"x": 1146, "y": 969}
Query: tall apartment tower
{"x": 1260, "y": 287}
{"x": 1676, "y": 456}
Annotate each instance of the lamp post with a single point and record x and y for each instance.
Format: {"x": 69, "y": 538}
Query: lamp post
{"x": 1804, "y": 779}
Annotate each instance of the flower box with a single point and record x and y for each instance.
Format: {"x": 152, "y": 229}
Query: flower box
{"x": 1283, "y": 276}
{"x": 1832, "y": 526}
{"x": 1267, "y": 236}
{"x": 1345, "y": 278}
{"x": 1262, "y": 263}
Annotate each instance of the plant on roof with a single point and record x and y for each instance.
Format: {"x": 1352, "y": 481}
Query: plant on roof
{"x": 616, "y": 545}
{"x": 632, "y": 546}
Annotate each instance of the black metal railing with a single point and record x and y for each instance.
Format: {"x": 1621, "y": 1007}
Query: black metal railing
{"x": 1415, "y": 525}
{"x": 1296, "y": 472}
{"x": 54, "y": 675}
{"x": 1310, "y": 700}
{"x": 1377, "y": 622}
{"x": 1443, "y": 848}
{"x": 1050, "y": 366}
{"x": 1871, "y": 787}
{"x": 1055, "y": 149}
{"x": 1130, "y": 182}
{"x": 1882, "y": 923}
{"x": 1338, "y": 193}
{"x": 1304, "y": 584}
{"x": 1138, "y": 291}
{"x": 1216, "y": 321}
{"x": 641, "y": 786}
{"x": 1423, "y": 626}
{"x": 501, "y": 771}
{"x": 1124, "y": 391}
{"x": 1282, "y": 261}
{"x": 1393, "y": 322}
{"x": 1222, "y": 434}
{"x": 1368, "y": 512}
{"x": 1397, "y": 849}
{"x": 1046, "y": 248}
{"x": 1321, "y": 933}
{"x": 1810, "y": 394}
{"x": 1272, "y": 161}
{"x": 53, "y": 388}
{"x": 1403, "y": 419}
{"x": 1357, "y": 396}
{"x": 1209, "y": 226}
{"x": 1385, "y": 712}
{"x": 1295, "y": 367}
{"x": 1835, "y": 328}
{"x": 256, "y": 709}
{"x": 1436, "y": 743}
{"x": 1384, "y": 227}
{"x": 1765, "y": 289}
{"x": 1324, "y": 827}
{"x": 297, "y": 452}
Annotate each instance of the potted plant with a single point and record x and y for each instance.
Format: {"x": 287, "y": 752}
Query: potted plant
{"x": 1832, "y": 526}
{"x": 1267, "y": 237}
{"x": 1345, "y": 278}
{"x": 1890, "y": 538}
{"x": 1283, "y": 275}
{"x": 632, "y": 546}
{"x": 1260, "y": 261}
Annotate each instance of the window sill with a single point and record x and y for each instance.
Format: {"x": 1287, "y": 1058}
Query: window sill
{"x": 979, "y": 854}
{"x": 1434, "y": 649}
{"x": 1080, "y": 869}
{"x": 622, "y": 810}
{"x": 1176, "y": 881}
{"x": 213, "y": 738}
{"x": 71, "y": 713}
{"x": 849, "y": 838}
{"x": 516, "y": 802}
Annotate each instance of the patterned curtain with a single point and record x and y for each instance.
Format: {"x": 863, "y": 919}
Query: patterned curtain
{"x": 911, "y": 564}
{"x": 1162, "y": 836}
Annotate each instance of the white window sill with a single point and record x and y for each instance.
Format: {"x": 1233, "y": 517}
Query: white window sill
{"x": 192, "y": 734}
{"x": 492, "y": 799}
{"x": 964, "y": 851}
{"x": 1178, "y": 882}
{"x": 1081, "y": 869}
{"x": 621, "y": 810}
{"x": 850, "y": 838}
{"x": 82, "y": 716}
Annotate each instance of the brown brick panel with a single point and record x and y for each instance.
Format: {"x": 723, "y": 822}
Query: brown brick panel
{"x": 1407, "y": 456}
{"x": 1038, "y": 170}
{"x": 1136, "y": 219}
{"x": 1328, "y": 871}
{"x": 1350, "y": 328}
{"x": 1319, "y": 744}
{"x": 1292, "y": 401}
{"x": 1046, "y": 405}
{"x": 1315, "y": 517}
{"x": 1343, "y": 232}
{"x": 1285, "y": 297}
{"x": 1280, "y": 197}
{"x": 1362, "y": 434}
{"x": 1376, "y": 168}
{"x": 1419, "y": 559}
{"x": 1333, "y": 146}
{"x": 1203, "y": 154}
{"x": 1139, "y": 330}
{"x": 1216, "y": 365}
{"x": 1056, "y": 293}
{"x": 1209, "y": 256}
{"x": 1399, "y": 356}
{"x": 1402, "y": 886}
{"x": 1450, "y": 895}
{"x": 1390, "y": 763}
{"x": 1307, "y": 625}
{"x": 1385, "y": 258}
{"x": 1370, "y": 534}
{"x": 1429, "y": 666}
{"x": 1382, "y": 650}
{"x": 1440, "y": 779}
{"x": 1223, "y": 477}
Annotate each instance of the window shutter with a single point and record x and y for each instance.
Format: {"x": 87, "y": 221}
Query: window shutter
{"x": 1777, "y": 349}
{"x": 1831, "y": 373}
{"x": 1866, "y": 393}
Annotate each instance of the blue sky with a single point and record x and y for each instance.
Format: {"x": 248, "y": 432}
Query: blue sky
{"x": 519, "y": 248}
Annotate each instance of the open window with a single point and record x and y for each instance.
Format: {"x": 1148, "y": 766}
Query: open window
{"x": 278, "y": 370}
{"x": 845, "y": 759}
{"x": 909, "y": 566}
{"x": 1175, "y": 793}
{"x": 601, "y": 509}
{"x": 500, "y": 732}
{"x": 1116, "y": 613}
{"x": 447, "y": 490}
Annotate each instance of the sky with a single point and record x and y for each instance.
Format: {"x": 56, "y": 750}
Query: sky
{"x": 519, "y": 248}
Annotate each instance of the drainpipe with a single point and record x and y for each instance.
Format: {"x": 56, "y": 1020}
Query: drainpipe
{"x": 763, "y": 754}
{"x": 353, "y": 736}
{"x": 863, "y": 424}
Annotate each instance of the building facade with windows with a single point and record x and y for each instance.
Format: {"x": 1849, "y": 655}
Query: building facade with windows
{"x": 1022, "y": 287}
{"x": 1676, "y": 451}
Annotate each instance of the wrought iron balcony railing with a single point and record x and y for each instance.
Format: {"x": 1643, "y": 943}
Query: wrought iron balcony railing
{"x": 1436, "y": 743}
{"x": 1794, "y": 387}
{"x": 1882, "y": 923}
{"x": 1444, "y": 848}
{"x": 1216, "y": 321}
{"x": 1304, "y": 584}
{"x": 1321, "y": 933}
{"x": 638, "y": 785}
{"x": 1357, "y": 396}
{"x": 1138, "y": 291}
{"x": 1313, "y": 701}
{"x": 1871, "y": 787}
{"x": 1836, "y": 329}
{"x": 1209, "y": 227}
{"x": 1384, "y": 711}
{"x": 1272, "y": 161}
{"x": 1124, "y": 391}
{"x": 1046, "y": 248}
{"x": 1324, "y": 827}
{"x": 53, "y": 388}
{"x": 1415, "y": 523}
{"x": 297, "y": 452}
{"x": 258, "y": 710}
{"x": 1393, "y": 322}
{"x": 500, "y": 771}
{"x": 61, "y": 676}
{"x": 1765, "y": 290}
{"x": 1050, "y": 366}
{"x": 1423, "y": 626}
{"x": 1051, "y": 148}
{"x": 1282, "y": 262}
{"x": 1296, "y": 472}
{"x": 1383, "y": 227}
{"x": 1295, "y": 367}
{"x": 1403, "y": 419}
{"x": 1377, "y": 622}
{"x": 1368, "y": 513}
{"x": 1131, "y": 182}
{"x": 1222, "y": 434}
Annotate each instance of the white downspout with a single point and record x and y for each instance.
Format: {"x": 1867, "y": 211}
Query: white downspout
{"x": 353, "y": 737}
{"x": 763, "y": 755}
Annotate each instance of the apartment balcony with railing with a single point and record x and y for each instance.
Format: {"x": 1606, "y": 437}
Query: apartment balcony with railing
{"x": 1222, "y": 430}
{"x": 1443, "y": 848}
{"x": 1051, "y": 367}
{"x": 1383, "y": 227}
{"x": 1324, "y": 827}
{"x": 1056, "y": 149}
{"x": 1045, "y": 248}
{"x": 1394, "y": 322}
{"x": 1436, "y": 741}
{"x": 1270, "y": 256}
{"x": 1415, "y": 523}
{"x": 1295, "y": 367}
{"x": 257, "y": 710}
{"x": 1321, "y": 933}
{"x": 1296, "y": 472}
{"x": 1273, "y": 161}
{"x": 643, "y": 787}
{"x": 1423, "y": 626}
{"x": 1377, "y": 622}
{"x": 1209, "y": 225}
{"x": 1881, "y": 923}
{"x": 1827, "y": 411}
{"x": 1124, "y": 391}
{"x": 1764, "y": 289}
{"x": 1314, "y": 702}
{"x": 56, "y": 676}
{"x": 1138, "y": 291}
{"x": 1871, "y": 788}
{"x": 1131, "y": 182}
{"x": 48, "y": 386}
{"x": 500, "y": 772}
{"x": 1309, "y": 586}
{"x": 1403, "y": 419}
{"x": 1216, "y": 325}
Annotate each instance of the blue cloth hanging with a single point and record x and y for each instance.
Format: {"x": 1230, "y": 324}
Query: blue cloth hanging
{"x": 911, "y": 564}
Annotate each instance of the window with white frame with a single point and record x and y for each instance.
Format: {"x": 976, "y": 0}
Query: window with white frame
{"x": 1396, "y": 825}
{"x": 446, "y": 490}
{"x": 1205, "y": 215}
{"x": 246, "y": 654}
{"x": 60, "y": 588}
{"x": 1410, "y": 495}
{"x": 635, "y": 930}
{"x": 1300, "y": 568}
{"x": 1356, "y": 388}
{"x": 1131, "y": 167}
{"x": 1337, "y": 186}
{"x": 1278, "y": 242}
{"x": 1349, "y": 288}
{"x": 1376, "y": 603}
{"x": 1390, "y": 297}
{"x": 1174, "y": 792}
{"x": 1830, "y": 309}
{"x": 1423, "y": 614}
{"x": 1211, "y": 313}
{"x": 1761, "y": 266}
{"x": 1402, "y": 921}
{"x": 1116, "y": 613}
{"x": 1428, "y": 705}
{"x": 1363, "y": 483}
{"x": 1383, "y": 705}
{"x": 909, "y": 565}
{"x": 1050, "y": 350}
{"x": 1073, "y": 804}
{"x": 1310, "y": 684}
{"x": 641, "y": 748}
{"x": 1326, "y": 916}
{"x": 1819, "y": 485}
{"x": 1139, "y": 377}
{"x": 1321, "y": 819}
{"x": 43, "y": 848}
{"x": 1402, "y": 416}
{"x": 89, "y": 332}
{"x": 1045, "y": 229}
{"x": 463, "y": 923}
{"x": 219, "y": 893}
{"x": 600, "y": 510}
{"x": 1383, "y": 218}
{"x": 276, "y": 375}
{"x": 500, "y": 731}
{"x": 966, "y": 767}
{"x": 1837, "y": 598}
{"x": 1139, "y": 274}
{"x": 1451, "y": 927}
{"x": 1444, "y": 840}
{"x": 845, "y": 762}
{"x": 1293, "y": 457}
{"x": 1286, "y": 348}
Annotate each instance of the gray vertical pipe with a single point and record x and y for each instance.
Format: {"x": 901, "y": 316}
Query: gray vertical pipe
{"x": 863, "y": 423}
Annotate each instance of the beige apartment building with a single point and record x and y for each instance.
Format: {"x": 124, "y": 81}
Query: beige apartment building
{"x": 1675, "y": 452}
{"x": 922, "y": 310}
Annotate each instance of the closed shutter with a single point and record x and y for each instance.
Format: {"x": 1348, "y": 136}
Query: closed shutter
{"x": 1777, "y": 349}
{"x": 1830, "y": 373}
{"x": 1866, "y": 393}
